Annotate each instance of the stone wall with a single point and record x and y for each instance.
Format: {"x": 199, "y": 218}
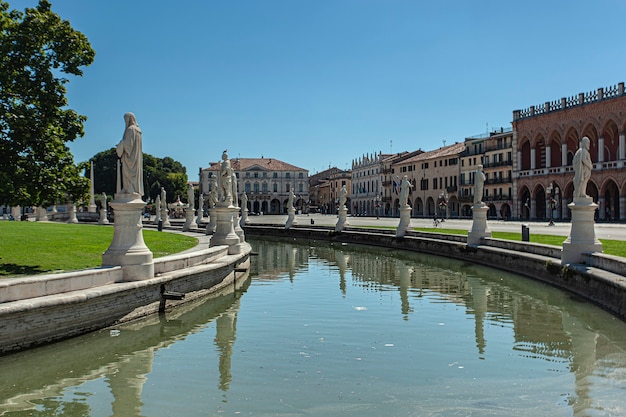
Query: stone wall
{"x": 62, "y": 311}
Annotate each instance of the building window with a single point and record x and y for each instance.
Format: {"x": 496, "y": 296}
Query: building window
{"x": 264, "y": 187}
{"x": 287, "y": 175}
{"x": 247, "y": 187}
{"x": 275, "y": 187}
{"x": 256, "y": 187}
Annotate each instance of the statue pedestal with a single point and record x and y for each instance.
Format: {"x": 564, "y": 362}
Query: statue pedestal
{"x": 128, "y": 249}
{"x": 224, "y": 229}
{"x": 210, "y": 227}
{"x": 42, "y": 214}
{"x": 582, "y": 237}
{"x": 237, "y": 226}
{"x": 405, "y": 221}
{"x": 342, "y": 220}
{"x": 103, "y": 217}
{"x": 190, "y": 220}
{"x": 479, "y": 224}
{"x": 73, "y": 218}
{"x": 165, "y": 217}
{"x": 291, "y": 218}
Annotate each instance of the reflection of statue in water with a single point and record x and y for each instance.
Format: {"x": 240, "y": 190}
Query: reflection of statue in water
{"x": 479, "y": 185}
{"x": 404, "y": 191}
{"x": 225, "y": 180}
{"x": 130, "y": 153}
{"x": 343, "y": 197}
{"x": 582, "y": 168}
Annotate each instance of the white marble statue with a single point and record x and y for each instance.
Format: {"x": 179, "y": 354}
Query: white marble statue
{"x": 201, "y": 205}
{"x": 226, "y": 180}
{"x": 479, "y": 185}
{"x": 582, "y": 168}
{"x": 103, "y": 202}
{"x": 233, "y": 181}
{"x": 213, "y": 197}
{"x": 190, "y": 198}
{"x": 343, "y": 197}
{"x": 129, "y": 151}
{"x": 163, "y": 199}
{"x": 244, "y": 201}
{"x": 291, "y": 199}
{"x": 405, "y": 185}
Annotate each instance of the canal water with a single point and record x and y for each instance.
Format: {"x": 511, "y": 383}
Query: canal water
{"x": 323, "y": 329}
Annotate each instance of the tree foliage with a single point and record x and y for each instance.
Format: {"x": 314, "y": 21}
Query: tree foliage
{"x": 157, "y": 172}
{"x": 37, "y": 50}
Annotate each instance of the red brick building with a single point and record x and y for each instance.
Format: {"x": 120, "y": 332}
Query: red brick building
{"x": 546, "y": 138}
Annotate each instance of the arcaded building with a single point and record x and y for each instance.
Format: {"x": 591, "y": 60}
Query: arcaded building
{"x": 267, "y": 183}
{"x": 546, "y": 138}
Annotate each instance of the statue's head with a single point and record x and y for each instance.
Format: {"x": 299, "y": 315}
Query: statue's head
{"x": 129, "y": 119}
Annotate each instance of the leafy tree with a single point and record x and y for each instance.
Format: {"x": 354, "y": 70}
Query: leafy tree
{"x": 165, "y": 172}
{"x": 37, "y": 50}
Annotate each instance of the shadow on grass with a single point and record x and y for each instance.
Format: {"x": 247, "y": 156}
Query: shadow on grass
{"x": 13, "y": 269}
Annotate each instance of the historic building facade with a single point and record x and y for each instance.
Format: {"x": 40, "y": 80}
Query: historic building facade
{"x": 434, "y": 175}
{"x": 546, "y": 138}
{"x": 494, "y": 151}
{"x": 367, "y": 188}
{"x": 266, "y": 181}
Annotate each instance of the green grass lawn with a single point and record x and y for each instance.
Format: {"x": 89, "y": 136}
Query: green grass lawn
{"x": 611, "y": 247}
{"x": 28, "y": 248}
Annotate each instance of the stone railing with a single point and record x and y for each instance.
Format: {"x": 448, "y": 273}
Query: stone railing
{"x": 573, "y": 101}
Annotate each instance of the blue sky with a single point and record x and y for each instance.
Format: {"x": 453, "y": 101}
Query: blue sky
{"x": 320, "y": 83}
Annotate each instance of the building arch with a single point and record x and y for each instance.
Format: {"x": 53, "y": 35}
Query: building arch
{"x": 556, "y": 149}
{"x": 525, "y": 154}
{"x": 419, "y": 206}
{"x": 274, "y": 206}
{"x": 453, "y": 206}
{"x": 571, "y": 139}
{"x": 539, "y": 197}
{"x": 610, "y": 196}
{"x": 540, "y": 151}
{"x": 505, "y": 211}
{"x": 525, "y": 203}
{"x": 430, "y": 207}
{"x": 610, "y": 136}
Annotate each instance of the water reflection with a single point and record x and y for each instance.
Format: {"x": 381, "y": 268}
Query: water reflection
{"x": 547, "y": 324}
{"x": 40, "y": 382}
{"x": 163, "y": 365}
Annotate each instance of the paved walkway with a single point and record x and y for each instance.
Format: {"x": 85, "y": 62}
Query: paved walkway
{"x": 614, "y": 231}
